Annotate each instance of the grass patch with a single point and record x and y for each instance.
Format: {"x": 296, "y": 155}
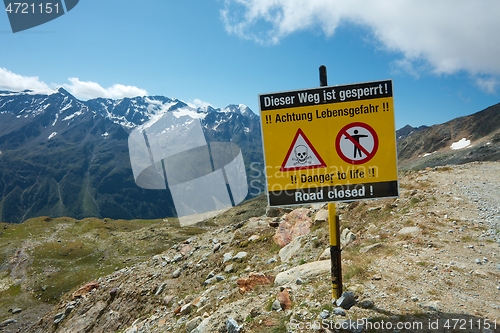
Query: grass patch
{"x": 59, "y": 254}
{"x": 358, "y": 271}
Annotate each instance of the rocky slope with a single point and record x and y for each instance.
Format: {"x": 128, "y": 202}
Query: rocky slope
{"x": 428, "y": 261}
{"x": 461, "y": 140}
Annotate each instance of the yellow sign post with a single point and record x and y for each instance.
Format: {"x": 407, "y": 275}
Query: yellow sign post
{"x": 330, "y": 144}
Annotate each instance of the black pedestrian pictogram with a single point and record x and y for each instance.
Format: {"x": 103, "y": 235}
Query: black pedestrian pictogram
{"x": 356, "y": 143}
{"x": 356, "y": 137}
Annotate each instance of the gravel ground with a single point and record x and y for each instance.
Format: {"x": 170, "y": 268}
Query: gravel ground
{"x": 480, "y": 183}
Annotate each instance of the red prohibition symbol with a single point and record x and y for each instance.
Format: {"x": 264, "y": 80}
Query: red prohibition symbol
{"x": 356, "y": 143}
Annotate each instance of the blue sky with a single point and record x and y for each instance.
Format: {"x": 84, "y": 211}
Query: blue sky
{"x": 443, "y": 56}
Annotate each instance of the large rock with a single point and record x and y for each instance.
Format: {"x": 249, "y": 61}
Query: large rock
{"x": 347, "y": 237}
{"x": 232, "y": 326}
{"x": 309, "y": 270}
{"x": 296, "y": 223}
{"x": 370, "y": 247}
{"x": 321, "y": 216}
{"x": 410, "y": 231}
{"x": 287, "y": 252}
{"x": 254, "y": 279}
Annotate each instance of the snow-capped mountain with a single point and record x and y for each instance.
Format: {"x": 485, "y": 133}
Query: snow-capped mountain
{"x": 60, "y": 156}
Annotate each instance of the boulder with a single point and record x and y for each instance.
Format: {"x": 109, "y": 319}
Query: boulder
{"x": 309, "y": 270}
{"x": 296, "y": 223}
{"x": 289, "y": 250}
{"x": 254, "y": 279}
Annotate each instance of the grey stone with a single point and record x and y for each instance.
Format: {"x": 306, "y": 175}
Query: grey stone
{"x": 68, "y": 309}
{"x": 346, "y": 301}
{"x": 16, "y": 310}
{"x": 409, "y": 231}
{"x": 430, "y": 306}
{"x": 186, "y": 308}
{"x": 372, "y": 209}
{"x": 370, "y": 247}
{"x": 276, "y": 306}
{"x": 176, "y": 273}
{"x": 366, "y": 304}
{"x": 254, "y": 312}
{"x": 193, "y": 323}
{"x": 289, "y": 250}
{"x": 325, "y": 255}
{"x": 309, "y": 270}
{"x": 324, "y": 314}
{"x": 321, "y": 216}
{"x": 161, "y": 288}
{"x": 339, "y": 312}
{"x": 219, "y": 278}
{"x": 229, "y": 268}
{"x": 273, "y": 260}
{"x": 232, "y": 326}
{"x": 240, "y": 255}
{"x": 227, "y": 256}
{"x": 347, "y": 237}
{"x": 59, "y": 317}
{"x": 210, "y": 281}
{"x": 8, "y": 322}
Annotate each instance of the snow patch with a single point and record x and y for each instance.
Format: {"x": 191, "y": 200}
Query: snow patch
{"x": 77, "y": 113}
{"x": 428, "y": 154}
{"x": 105, "y": 134}
{"x": 52, "y": 135}
{"x": 55, "y": 120}
{"x": 188, "y": 112}
{"x": 460, "y": 144}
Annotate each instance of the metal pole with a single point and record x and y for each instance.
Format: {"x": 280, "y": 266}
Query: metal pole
{"x": 334, "y": 225}
{"x": 323, "y": 79}
{"x": 335, "y": 250}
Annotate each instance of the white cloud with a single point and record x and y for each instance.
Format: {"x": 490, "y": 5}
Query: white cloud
{"x": 488, "y": 84}
{"x": 15, "y": 82}
{"x": 80, "y": 89}
{"x": 88, "y": 90}
{"x": 449, "y": 35}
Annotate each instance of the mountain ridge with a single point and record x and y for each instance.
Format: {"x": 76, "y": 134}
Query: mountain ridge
{"x": 64, "y": 157}
{"x": 429, "y": 146}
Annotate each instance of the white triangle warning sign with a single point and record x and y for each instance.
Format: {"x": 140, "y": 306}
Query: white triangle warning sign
{"x": 301, "y": 155}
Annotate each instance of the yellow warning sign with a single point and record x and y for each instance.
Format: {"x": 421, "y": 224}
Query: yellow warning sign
{"x": 333, "y": 143}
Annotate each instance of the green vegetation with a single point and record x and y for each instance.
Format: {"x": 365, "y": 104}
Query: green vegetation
{"x": 43, "y": 258}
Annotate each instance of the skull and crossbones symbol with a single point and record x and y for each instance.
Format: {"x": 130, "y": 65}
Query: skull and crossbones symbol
{"x": 301, "y": 155}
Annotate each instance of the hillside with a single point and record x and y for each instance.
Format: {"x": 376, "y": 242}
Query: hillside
{"x": 465, "y": 139}
{"x": 430, "y": 255}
